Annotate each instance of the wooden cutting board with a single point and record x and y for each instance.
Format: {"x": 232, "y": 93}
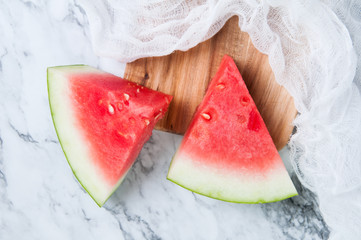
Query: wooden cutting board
{"x": 186, "y": 75}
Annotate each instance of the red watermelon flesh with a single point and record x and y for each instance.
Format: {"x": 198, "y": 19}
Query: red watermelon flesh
{"x": 102, "y": 122}
{"x": 227, "y": 152}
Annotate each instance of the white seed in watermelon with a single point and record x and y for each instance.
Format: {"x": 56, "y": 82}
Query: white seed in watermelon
{"x": 102, "y": 122}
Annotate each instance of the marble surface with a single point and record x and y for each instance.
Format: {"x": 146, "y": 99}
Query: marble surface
{"x": 39, "y": 196}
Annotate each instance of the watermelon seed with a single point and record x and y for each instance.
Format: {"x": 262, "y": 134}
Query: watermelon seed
{"x": 220, "y": 86}
{"x": 132, "y": 120}
{"x": 138, "y": 90}
{"x": 244, "y": 101}
{"x": 126, "y": 96}
{"x": 141, "y": 87}
{"x": 146, "y": 122}
{"x": 122, "y": 134}
{"x": 206, "y": 116}
{"x": 158, "y": 115}
{"x": 100, "y": 102}
{"x": 241, "y": 118}
{"x": 120, "y": 106}
{"x": 111, "y": 109}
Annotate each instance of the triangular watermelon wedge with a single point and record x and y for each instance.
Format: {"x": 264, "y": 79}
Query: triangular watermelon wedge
{"x": 227, "y": 152}
{"x": 102, "y": 122}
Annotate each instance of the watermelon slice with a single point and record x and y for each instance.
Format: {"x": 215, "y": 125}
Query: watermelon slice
{"x": 102, "y": 122}
{"x": 227, "y": 152}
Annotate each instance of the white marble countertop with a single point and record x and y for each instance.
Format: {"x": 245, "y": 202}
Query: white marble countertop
{"x": 39, "y": 196}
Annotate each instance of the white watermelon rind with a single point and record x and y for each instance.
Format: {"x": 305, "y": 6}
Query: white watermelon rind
{"x": 275, "y": 187}
{"x": 94, "y": 184}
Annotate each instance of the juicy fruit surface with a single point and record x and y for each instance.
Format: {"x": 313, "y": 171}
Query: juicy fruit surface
{"x": 227, "y": 152}
{"x": 116, "y": 117}
{"x": 102, "y": 122}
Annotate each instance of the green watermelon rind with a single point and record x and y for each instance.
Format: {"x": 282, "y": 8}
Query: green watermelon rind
{"x": 99, "y": 203}
{"x": 228, "y": 200}
{"x": 232, "y": 201}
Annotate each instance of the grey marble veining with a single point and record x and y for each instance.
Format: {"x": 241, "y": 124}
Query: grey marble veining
{"x": 300, "y": 212}
{"x": 39, "y": 196}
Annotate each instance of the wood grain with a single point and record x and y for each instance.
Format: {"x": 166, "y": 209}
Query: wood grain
{"x": 186, "y": 75}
